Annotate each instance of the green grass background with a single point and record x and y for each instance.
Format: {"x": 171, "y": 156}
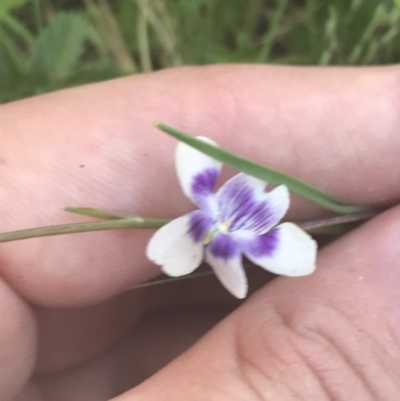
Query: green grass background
{"x": 51, "y": 44}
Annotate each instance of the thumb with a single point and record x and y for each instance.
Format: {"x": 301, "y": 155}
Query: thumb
{"x": 334, "y": 335}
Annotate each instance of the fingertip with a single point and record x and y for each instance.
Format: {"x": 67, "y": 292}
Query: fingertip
{"x": 18, "y": 343}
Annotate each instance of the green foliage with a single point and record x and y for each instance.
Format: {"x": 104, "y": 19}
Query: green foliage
{"x": 44, "y": 47}
{"x": 8, "y": 5}
{"x": 59, "y": 47}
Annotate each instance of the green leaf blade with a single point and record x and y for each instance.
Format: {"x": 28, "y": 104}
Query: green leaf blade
{"x": 264, "y": 173}
{"x": 60, "y": 46}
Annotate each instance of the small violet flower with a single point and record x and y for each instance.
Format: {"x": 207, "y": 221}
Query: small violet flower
{"x": 240, "y": 218}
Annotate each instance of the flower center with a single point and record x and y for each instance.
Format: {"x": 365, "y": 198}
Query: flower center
{"x": 224, "y": 227}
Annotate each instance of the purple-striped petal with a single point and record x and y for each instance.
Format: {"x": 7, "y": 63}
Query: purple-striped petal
{"x": 202, "y": 189}
{"x": 286, "y": 250}
{"x": 224, "y": 256}
{"x": 200, "y": 224}
{"x": 242, "y": 202}
{"x": 198, "y": 174}
{"x": 224, "y": 247}
{"x": 175, "y": 249}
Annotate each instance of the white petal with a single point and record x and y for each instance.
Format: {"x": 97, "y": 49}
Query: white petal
{"x": 166, "y": 237}
{"x": 190, "y": 165}
{"x": 292, "y": 253}
{"x": 278, "y": 202}
{"x": 183, "y": 257}
{"x": 174, "y": 249}
{"x": 230, "y": 273}
{"x": 257, "y": 184}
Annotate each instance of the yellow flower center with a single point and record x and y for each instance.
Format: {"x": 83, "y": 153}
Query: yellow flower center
{"x": 224, "y": 227}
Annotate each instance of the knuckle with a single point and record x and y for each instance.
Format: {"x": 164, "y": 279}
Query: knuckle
{"x": 313, "y": 353}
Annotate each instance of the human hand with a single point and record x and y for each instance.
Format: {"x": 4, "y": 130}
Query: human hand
{"x": 70, "y": 331}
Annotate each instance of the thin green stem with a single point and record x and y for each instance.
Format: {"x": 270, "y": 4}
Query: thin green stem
{"x": 252, "y": 16}
{"x": 143, "y": 36}
{"x": 37, "y": 11}
{"x": 312, "y": 29}
{"x": 117, "y": 222}
{"x": 82, "y": 227}
{"x": 169, "y": 280}
{"x": 337, "y": 220}
{"x": 19, "y": 29}
{"x": 272, "y": 31}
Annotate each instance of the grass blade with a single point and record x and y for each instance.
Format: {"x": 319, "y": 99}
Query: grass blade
{"x": 267, "y": 174}
{"x": 100, "y": 214}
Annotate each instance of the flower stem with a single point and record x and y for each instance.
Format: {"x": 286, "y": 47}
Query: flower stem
{"x": 313, "y": 225}
{"x": 122, "y": 223}
{"x": 168, "y": 280}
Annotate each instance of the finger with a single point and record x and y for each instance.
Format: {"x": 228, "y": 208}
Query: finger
{"x": 94, "y": 145}
{"x": 75, "y": 337}
{"x": 69, "y": 337}
{"x": 132, "y": 359}
{"x": 17, "y": 343}
{"x": 332, "y": 335}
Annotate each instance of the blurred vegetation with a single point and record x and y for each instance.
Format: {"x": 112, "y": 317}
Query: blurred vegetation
{"x": 51, "y": 44}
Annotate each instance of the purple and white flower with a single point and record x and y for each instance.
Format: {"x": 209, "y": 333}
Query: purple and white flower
{"x": 240, "y": 218}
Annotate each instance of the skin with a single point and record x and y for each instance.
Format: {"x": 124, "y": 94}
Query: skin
{"x": 69, "y": 330}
